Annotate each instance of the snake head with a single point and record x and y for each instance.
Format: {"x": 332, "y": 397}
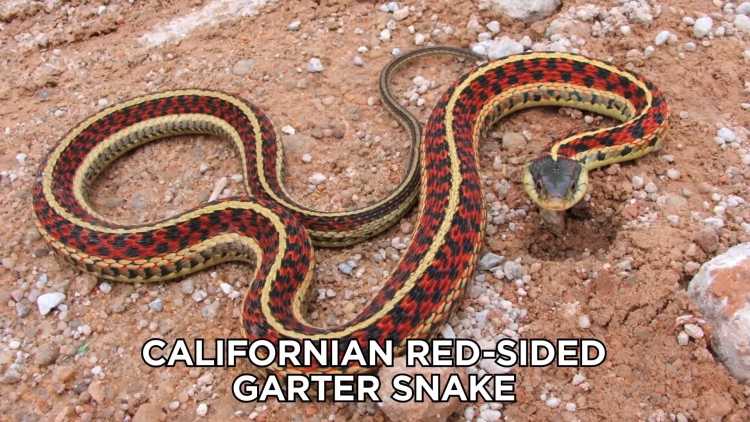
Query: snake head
{"x": 555, "y": 184}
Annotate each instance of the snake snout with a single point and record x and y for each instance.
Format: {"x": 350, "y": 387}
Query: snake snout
{"x": 556, "y": 184}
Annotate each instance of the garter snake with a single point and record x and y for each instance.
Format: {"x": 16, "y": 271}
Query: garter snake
{"x": 270, "y": 227}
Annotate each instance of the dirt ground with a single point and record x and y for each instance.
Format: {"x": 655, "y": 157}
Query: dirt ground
{"x": 618, "y": 275}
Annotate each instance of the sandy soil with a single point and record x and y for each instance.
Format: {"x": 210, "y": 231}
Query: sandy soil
{"x": 625, "y": 266}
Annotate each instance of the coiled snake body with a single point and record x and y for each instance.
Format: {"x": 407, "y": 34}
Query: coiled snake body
{"x": 270, "y": 226}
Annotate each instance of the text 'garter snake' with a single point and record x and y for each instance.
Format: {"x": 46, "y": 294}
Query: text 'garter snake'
{"x": 269, "y": 226}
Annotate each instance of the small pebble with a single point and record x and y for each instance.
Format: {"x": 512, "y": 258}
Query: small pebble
{"x": 294, "y": 25}
{"x": 156, "y": 305}
{"x": 49, "y": 301}
{"x": 202, "y": 409}
{"x": 662, "y": 37}
{"x": 637, "y": 182}
{"x": 199, "y": 295}
{"x": 314, "y": 65}
{"x": 693, "y": 330}
{"x": 584, "y": 322}
{"x": 317, "y": 178}
{"x": 243, "y": 67}
{"x": 673, "y": 174}
{"x": 489, "y": 261}
{"x": 727, "y": 135}
{"x": 578, "y": 379}
{"x": 683, "y": 338}
{"x": 702, "y": 26}
{"x": 552, "y": 402}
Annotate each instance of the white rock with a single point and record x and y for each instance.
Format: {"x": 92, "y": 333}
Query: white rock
{"x": 294, "y": 25}
{"x": 317, "y": 178}
{"x": 219, "y": 187}
{"x": 578, "y": 379}
{"x": 401, "y": 13}
{"x": 497, "y": 49}
{"x": 744, "y": 8}
{"x": 673, "y": 174}
{"x": 584, "y": 322}
{"x": 662, "y": 37}
{"x": 637, "y": 182}
{"x": 314, "y": 65}
{"x": 527, "y": 10}
{"x": 702, "y": 26}
{"x": 494, "y": 27}
{"x": 552, "y": 402}
{"x": 490, "y": 415}
{"x": 720, "y": 289}
{"x": 288, "y": 130}
{"x": 385, "y": 35}
{"x": 742, "y": 22}
{"x": 202, "y": 409}
{"x": 21, "y": 158}
{"x": 683, "y": 338}
{"x": 693, "y": 330}
{"x": 49, "y": 301}
{"x": 727, "y": 135}
{"x": 226, "y": 288}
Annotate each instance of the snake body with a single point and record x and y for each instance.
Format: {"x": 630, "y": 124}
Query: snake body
{"x": 269, "y": 227}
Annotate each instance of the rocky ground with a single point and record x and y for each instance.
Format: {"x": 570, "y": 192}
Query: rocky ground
{"x": 70, "y": 344}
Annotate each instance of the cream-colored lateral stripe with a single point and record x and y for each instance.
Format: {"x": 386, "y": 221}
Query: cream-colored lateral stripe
{"x": 136, "y": 130}
{"x": 492, "y": 105}
{"x": 233, "y": 135}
